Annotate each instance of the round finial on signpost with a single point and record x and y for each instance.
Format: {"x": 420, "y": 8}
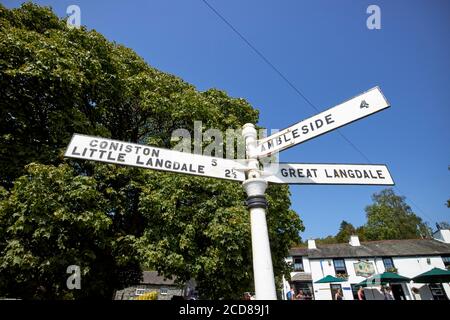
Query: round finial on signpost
{"x": 250, "y": 137}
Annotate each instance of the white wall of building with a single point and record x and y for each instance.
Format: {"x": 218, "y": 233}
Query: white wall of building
{"x": 412, "y": 266}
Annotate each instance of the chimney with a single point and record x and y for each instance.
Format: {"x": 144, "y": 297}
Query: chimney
{"x": 354, "y": 241}
{"x": 312, "y": 244}
{"x": 442, "y": 235}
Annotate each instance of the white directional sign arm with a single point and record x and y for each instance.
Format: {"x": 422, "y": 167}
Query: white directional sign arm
{"x": 351, "y": 110}
{"x": 309, "y": 173}
{"x": 149, "y": 157}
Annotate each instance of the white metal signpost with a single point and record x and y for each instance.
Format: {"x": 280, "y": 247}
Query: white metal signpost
{"x": 308, "y": 173}
{"x": 248, "y": 170}
{"x": 349, "y": 111}
{"x": 148, "y": 157}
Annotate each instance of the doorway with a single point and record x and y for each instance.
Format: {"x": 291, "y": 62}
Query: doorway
{"x": 334, "y": 288}
{"x": 397, "y": 292}
{"x": 306, "y": 288}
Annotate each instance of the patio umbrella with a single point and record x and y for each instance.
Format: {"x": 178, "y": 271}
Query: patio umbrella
{"x": 434, "y": 275}
{"x": 383, "y": 278}
{"x": 329, "y": 279}
{"x": 389, "y": 277}
{"x": 363, "y": 283}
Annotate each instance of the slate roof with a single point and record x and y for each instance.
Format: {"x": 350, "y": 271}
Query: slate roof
{"x": 384, "y": 248}
{"x": 152, "y": 277}
{"x": 301, "y": 276}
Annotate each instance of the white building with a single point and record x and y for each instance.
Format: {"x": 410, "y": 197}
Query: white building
{"x": 356, "y": 261}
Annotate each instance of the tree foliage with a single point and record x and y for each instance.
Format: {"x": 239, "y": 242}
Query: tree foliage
{"x": 53, "y": 218}
{"x": 112, "y": 221}
{"x": 345, "y": 231}
{"x": 390, "y": 217}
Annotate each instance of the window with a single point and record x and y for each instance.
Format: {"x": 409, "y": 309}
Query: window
{"x": 163, "y": 291}
{"x": 339, "y": 267}
{"x": 446, "y": 260}
{"x": 437, "y": 291}
{"x": 388, "y": 264}
{"x": 298, "y": 264}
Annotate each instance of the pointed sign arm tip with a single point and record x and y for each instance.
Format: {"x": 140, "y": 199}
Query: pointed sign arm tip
{"x": 358, "y": 107}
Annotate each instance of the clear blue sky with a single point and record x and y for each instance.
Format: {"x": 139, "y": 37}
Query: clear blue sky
{"x": 325, "y": 49}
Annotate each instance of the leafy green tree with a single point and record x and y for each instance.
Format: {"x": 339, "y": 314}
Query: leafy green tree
{"x": 361, "y": 233}
{"x": 51, "y": 219}
{"x": 324, "y": 241}
{"x": 389, "y": 217}
{"x": 345, "y": 231}
{"x": 56, "y": 81}
{"x": 111, "y": 220}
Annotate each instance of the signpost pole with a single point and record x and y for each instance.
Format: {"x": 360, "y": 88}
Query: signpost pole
{"x": 255, "y": 188}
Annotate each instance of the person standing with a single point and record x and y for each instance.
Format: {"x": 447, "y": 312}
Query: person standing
{"x": 361, "y": 295}
{"x": 300, "y": 295}
{"x": 387, "y": 294}
{"x": 339, "y": 295}
{"x": 291, "y": 294}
